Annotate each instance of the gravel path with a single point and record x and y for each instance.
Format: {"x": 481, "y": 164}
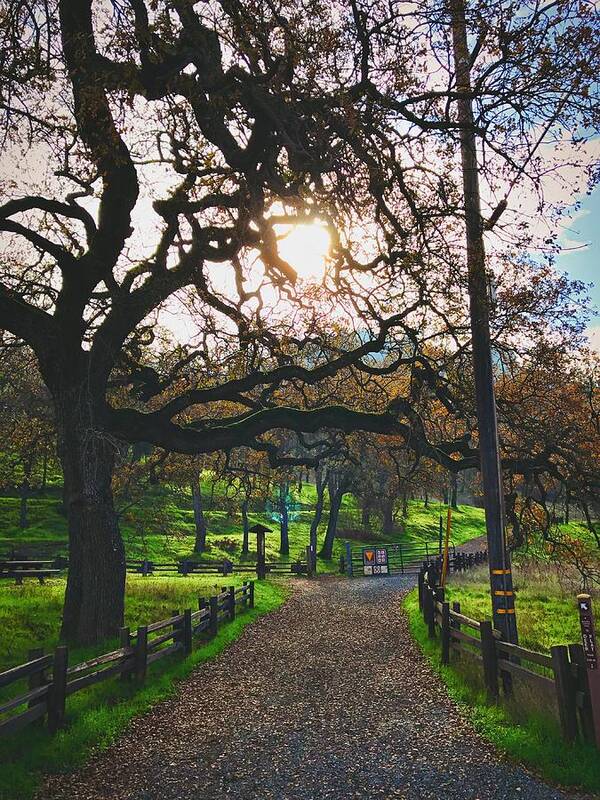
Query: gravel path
{"x": 325, "y": 698}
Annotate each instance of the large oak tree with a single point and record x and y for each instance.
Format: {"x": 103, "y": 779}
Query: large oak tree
{"x": 167, "y": 144}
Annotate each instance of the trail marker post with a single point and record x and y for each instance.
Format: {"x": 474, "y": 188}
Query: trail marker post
{"x": 592, "y": 656}
{"x": 261, "y": 562}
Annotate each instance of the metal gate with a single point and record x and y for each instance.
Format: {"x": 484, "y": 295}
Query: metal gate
{"x": 390, "y": 558}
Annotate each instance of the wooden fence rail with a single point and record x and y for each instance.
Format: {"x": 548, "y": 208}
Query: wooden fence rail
{"x": 50, "y": 679}
{"x": 18, "y": 570}
{"x": 562, "y": 672}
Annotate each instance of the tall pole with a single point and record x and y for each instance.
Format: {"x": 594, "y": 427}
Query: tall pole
{"x": 499, "y": 561}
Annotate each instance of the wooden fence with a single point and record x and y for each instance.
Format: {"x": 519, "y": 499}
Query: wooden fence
{"x": 224, "y": 568}
{"x": 50, "y": 679}
{"x": 562, "y": 673}
{"x": 18, "y": 570}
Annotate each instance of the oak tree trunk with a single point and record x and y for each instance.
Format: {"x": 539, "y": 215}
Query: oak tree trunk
{"x": 94, "y": 598}
{"x": 316, "y": 520}
{"x": 199, "y": 520}
{"x": 365, "y": 517}
{"x": 284, "y": 545}
{"x": 454, "y": 490}
{"x": 388, "y": 516}
{"x": 336, "y": 494}
{"x": 245, "y": 527}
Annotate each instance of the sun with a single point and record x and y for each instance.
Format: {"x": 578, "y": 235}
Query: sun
{"x": 305, "y": 248}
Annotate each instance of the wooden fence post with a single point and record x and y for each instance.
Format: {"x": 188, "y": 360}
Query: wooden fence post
{"x": 429, "y": 611}
{"x": 445, "y": 633}
{"x": 586, "y": 720}
{"x": 57, "y": 693}
{"x": 214, "y": 616}
{"x": 456, "y": 608}
{"x": 141, "y": 653}
{"x": 565, "y": 691}
{"x": 232, "y": 602}
{"x": 125, "y": 642}
{"x": 251, "y": 593}
{"x": 36, "y": 680}
{"x": 187, "y": 631}
{"x": 349, "y": 559}
{"x": 490, "y": 659}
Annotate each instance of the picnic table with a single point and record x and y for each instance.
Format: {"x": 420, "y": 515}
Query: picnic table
{"x": 17, "y": 570}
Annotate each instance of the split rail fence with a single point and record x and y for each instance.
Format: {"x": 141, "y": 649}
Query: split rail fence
{"x": 18, "y": 570}
{"x": 50, "y": 680}
{"x": 562, "y": 673}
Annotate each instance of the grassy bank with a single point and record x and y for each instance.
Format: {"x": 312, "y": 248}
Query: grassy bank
{"x": 546, "y": 614}
{"x": 97, "y": 716}
{"x": 522, "y": 730}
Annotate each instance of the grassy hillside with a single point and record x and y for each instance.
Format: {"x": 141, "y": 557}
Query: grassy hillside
{"x": 161, "y": 524}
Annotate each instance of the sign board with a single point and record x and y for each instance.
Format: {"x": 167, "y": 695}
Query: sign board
{"x": 588, "y": 634}
{"x": 375, "y": 561}
{"x": 590, "y": 649}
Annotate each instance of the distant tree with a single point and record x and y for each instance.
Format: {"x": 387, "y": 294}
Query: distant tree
{"x": 26, "y": 428}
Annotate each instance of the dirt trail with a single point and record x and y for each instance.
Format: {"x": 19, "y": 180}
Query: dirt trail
{"x": 326, "y": 698}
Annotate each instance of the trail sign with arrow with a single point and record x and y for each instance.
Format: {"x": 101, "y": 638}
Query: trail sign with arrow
{"x": 590, "y": 648}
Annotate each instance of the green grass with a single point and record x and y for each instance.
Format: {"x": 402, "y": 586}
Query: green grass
{"x": 30, "y": 614}
{"x": 96, "y": 716}
{"x": 161, "y": 525}
{"x": 468, "y": 522}
{"x": 546, "y": 615}
{"x": 521, "y": 731}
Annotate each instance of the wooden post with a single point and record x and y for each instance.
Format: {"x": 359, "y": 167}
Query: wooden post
{"x": 232, "y": 602}
{"x": 565, "y": 692}
{"x": 251, "y": 593}
{"x": 37, "y": 679}
{"x": 446, "y": 548}
{"x": 445, "y": 633}
{"x": 309, "y": 561}
{"x": 141, "y": 653}
{"x": 57, "y": 693}
{"x": 455, "y": 625}
{"x": 592, "y": 657}
{"x": 125, "y": 641}
{"x": 187, "y": 631}
{"x": 490, "y": 659}
{"x": 261, "y": 570}
{"x": 214, "y": 616}
{"x": 584, "y": 705}
{"x": 456, "y": 608}
{"x": 349, "y": 559}
{"x": 420, "y": 582}
{"x": 429, "y": 611}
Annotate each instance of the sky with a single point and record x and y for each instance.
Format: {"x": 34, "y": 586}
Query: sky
{"x": 581, "y": 256}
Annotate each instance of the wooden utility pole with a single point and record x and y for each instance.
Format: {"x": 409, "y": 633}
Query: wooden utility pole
{"x": 491, "y": 472}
